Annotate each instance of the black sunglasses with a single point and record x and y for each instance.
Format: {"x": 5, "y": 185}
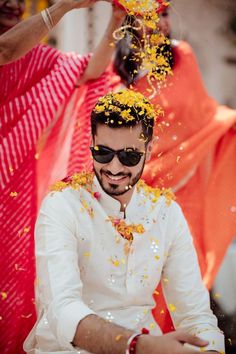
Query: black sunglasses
{"x": 128, "y": 157}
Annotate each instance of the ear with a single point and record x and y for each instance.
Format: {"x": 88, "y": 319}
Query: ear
{"x": 149, "y": 149}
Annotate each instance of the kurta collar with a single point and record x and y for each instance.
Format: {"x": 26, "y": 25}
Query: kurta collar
{"x": 111, "y": 205}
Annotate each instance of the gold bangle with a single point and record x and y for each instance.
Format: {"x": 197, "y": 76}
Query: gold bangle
{"x": 46, "y": 20}
{"x": 49, "y": 16}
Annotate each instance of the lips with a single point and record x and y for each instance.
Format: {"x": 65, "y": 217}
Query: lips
{"x": 115, "y": 178}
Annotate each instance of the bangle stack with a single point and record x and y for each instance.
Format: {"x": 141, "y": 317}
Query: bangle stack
{"x": 47, "y": 19}
{"x": 132, "y": 341}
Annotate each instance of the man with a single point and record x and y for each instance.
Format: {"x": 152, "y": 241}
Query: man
{"x": 104, "y": 240}
{"x": 39, "y": 102}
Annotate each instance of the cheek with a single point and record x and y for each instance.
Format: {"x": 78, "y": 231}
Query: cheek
{"x": 134, "y": 171}
{"x": 22, "y": 9}
{"x": 98, "y": 167}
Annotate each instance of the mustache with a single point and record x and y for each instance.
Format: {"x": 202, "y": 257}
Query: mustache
{"x": 120, "y": 174}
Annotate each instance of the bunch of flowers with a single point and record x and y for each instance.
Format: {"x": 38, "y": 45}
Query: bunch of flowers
{"x": 76, "y": 181}
{"x": 154, "y": 61}
{"x": 126, "y": 231}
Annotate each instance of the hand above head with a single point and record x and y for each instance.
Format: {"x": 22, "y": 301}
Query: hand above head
{"x": 117, "y": 12}
{"x": 77, "y": 4}
{"x": 171, "y": 343}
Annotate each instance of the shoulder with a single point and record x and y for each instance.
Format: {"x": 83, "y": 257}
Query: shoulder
{"x": 162, "y": 204}
{"x": 183, "y": 50}
{"x": 71, "y": 188}
{"x": 77, "y": 181}
{"x": 181, "y": 46}
{"x": 155, "y": 195}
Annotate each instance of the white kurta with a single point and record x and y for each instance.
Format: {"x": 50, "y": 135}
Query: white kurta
{"x": 82, "y": 268}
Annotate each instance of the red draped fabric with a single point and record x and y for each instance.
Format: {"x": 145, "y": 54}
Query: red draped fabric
{"x": 33, "y": 93}
{"x": 193, "y": 155}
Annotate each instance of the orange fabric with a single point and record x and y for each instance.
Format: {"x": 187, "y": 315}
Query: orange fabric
{"x": 195, "y": 155}
{"x": 190, "y": 156}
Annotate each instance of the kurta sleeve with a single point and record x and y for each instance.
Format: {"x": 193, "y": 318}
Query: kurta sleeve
{"x": 185, "y": 293}
{"x": 58, "y": 274}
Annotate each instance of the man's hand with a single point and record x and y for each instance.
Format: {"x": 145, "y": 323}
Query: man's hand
{"x": 171, "y": 343}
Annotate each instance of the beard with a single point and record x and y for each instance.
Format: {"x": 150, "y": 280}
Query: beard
{"x": 113, "y": 189}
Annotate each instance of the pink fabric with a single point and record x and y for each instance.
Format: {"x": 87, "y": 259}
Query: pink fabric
{"x": 33, "y": 93}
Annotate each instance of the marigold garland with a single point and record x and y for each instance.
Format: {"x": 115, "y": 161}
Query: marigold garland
{"x": 85, "y": 180}
{"x": 155, "y": 193}
{"x": 126, "y": 231}
{"x": 76, "y": 181}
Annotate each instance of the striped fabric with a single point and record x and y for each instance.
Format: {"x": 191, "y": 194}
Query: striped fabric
{"x": 32, "y": 92}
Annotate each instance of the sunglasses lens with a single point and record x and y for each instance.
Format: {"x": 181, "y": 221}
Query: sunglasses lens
{"x": 130, "y": 158}
{"x": 126, "y": 157}
{"x": 102, "y": 155}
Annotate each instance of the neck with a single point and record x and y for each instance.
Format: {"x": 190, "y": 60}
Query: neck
{"x": 124, "y": 199}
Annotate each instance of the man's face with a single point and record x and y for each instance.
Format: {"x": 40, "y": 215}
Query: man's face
{"x": 115, "y": 178}
{"x": 11, "y": 12}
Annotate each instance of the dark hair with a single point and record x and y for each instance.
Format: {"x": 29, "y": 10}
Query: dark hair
{"x": 112, "y": 113}
{"x": 127, "y": 63}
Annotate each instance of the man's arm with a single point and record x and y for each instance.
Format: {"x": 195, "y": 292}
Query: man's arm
{"x": 99, "y": 336}
{"x": 185, "y": 293}
{"x": 24, "y": 36}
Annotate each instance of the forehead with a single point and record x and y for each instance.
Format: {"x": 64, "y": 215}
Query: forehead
{"x": 119, "y": 138}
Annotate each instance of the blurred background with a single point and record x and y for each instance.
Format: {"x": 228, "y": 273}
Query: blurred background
{"x": 210, "y": 27}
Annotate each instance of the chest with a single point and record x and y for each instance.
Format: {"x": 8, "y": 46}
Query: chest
{"x": 107, "y": 259}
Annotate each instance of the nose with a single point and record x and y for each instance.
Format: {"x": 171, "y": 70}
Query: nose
{"x": 115, "y": 166}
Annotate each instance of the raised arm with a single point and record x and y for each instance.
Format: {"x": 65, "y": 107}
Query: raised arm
{"x": 103, "y": 53}
{"x": 24, "y": 36}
